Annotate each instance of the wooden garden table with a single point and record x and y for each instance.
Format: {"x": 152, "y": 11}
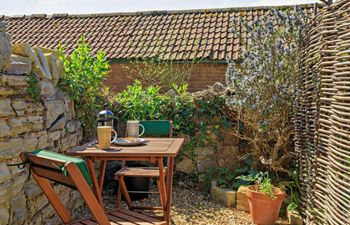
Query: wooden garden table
{"x": 155, "y": 150}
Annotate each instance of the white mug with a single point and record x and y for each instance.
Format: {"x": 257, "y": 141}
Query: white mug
{"x": 133, "y": 128}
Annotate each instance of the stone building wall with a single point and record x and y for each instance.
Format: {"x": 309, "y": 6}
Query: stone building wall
{"x": 34, "y": 114}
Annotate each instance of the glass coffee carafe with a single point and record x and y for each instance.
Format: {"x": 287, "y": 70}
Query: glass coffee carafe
{"x": 105, "y": 118}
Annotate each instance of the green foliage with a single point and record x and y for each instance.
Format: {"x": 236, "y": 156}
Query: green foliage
{"x": 205, "y": 119}
{"x": 188, "y": 149}
{"x": 248, "y": 177}
{"x": 243, "y": 175}
{"x": 266, "y": 187}
{"x": 292, "y": 206}
{"x": 184, "y": 112}
{"x": 293, "y": 189}
{"x": 223, "y": 176}
{"x": 213, "y": 121}
{"x": 190, "y": 114}
{"x": 180, "y": 89}
{"x": 82, "y": 80}
{"x": 33, "y": 90}
{"x": 137, "y": 103}
{"x": 140, "y": 103}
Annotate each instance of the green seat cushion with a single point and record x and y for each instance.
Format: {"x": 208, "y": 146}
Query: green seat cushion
{"x": 156, "y": 127}
{"x": 65, "y": 158}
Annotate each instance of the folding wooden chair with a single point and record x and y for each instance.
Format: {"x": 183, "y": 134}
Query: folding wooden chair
{"x": 152, "y": 128}
{"x": 46, "y": 166}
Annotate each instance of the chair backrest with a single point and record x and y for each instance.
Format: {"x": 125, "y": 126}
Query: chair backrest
{"x": 157, "y": 128}
{"x": 64, "y": 171}
{"x": 45, "y": 159}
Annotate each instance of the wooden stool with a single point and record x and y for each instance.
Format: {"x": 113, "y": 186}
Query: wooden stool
{"x": 152, "y": 128}
{"x": 151, "y": 172}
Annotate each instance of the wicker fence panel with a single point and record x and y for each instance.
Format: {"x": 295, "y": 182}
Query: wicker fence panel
{"x": 339, "y": 160}
{"x": 323, "y": 119}
{"x": 306, "y": 123}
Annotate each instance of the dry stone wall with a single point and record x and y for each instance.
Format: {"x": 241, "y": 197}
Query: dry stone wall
{"x": 34, "y": 114}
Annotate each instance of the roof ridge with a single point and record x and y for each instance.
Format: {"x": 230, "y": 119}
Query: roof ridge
{"x": 159, "y": 12}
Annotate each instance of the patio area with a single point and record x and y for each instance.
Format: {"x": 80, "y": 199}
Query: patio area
{"x": 191, "y": 206}
{"x": 219, "y": 116}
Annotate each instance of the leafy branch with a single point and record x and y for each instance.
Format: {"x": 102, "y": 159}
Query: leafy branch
{"x": 82, "y": 80}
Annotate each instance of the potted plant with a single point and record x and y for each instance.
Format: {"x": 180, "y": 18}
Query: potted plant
{"x": 264, "y": 202}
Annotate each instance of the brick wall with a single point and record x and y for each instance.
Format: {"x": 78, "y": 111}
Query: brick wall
{"x": 202, "y": 75}
{"x": 205, "y": 74}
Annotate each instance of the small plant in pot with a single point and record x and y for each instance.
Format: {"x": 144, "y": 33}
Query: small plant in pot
{"x": 265, "y": 201}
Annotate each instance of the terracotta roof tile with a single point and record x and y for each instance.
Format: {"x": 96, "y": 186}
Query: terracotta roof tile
{"x": 176, "y": 35}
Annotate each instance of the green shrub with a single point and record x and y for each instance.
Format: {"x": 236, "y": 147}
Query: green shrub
{"x": 264, "y": 78}
{"x": 189, "y": 114}
{"x": 138, "y": 103}
{"x": 82, "y": 80}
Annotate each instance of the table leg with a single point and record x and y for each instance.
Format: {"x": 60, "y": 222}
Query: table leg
{"x": 169, "y": 188}
{"x": 125, "y": 192}
{"x": 102, "y": 173}
{"x": 119, "y": 196}
{"x": 91, "y": 168}
{"x": 161, "y": 183}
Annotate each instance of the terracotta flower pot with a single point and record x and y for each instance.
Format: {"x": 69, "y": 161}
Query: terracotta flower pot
{"x": 263, "y": 209}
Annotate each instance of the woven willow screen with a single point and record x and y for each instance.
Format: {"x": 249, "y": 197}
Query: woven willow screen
{"x": 323, "y": 119}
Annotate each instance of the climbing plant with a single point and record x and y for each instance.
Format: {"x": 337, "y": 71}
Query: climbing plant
{"x": 33, "y": 90}
{"x": 161, "y": 69}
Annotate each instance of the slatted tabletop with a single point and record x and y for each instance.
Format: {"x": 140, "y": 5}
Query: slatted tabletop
{"x": 156, "y": 147}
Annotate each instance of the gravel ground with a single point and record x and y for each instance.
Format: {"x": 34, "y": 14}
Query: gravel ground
{"x": 191, "y": 207}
